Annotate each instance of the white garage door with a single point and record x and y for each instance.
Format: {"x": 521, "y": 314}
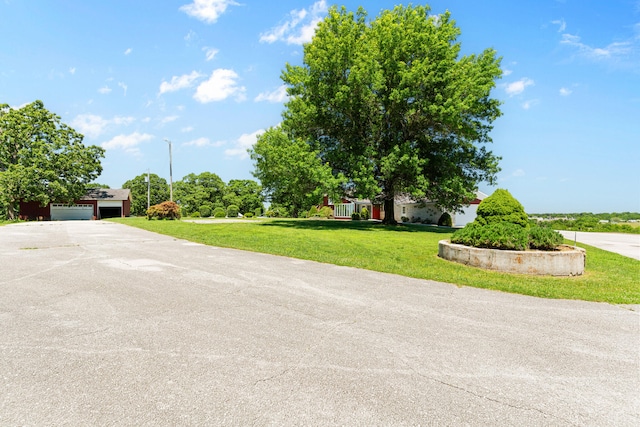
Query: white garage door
{"x": 60, "y": 212}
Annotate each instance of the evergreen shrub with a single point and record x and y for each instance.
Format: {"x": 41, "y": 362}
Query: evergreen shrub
{"x": 355, "y": 216}
{"x": 445, "y": 220}
{"x": 232, "y": 211}
{"x": 364, "y": 214}
{"x": 205, "y": 211}
{"x": 219, "y": 212}
{"x": 313, "y": 212}
{"x": 257, "y": 211}
{"x": 544, "y": 238}
{"x": 501, "y": 235}
{"x": 501, "y": 206}
{"x": 248, "y": 215}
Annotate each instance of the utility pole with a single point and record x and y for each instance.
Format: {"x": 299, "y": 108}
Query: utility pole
{"x": 148, "y": 190}
{"x": 170, "y": 172}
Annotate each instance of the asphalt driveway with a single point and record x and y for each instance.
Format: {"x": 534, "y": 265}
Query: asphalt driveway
{"x": 102, "y": 324}
{"x": 623, "y": 244}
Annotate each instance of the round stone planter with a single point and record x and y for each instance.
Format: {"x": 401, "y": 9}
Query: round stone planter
{"x": 568, "y": 261}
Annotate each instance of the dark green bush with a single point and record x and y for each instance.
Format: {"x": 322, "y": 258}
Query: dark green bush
{"x": 501, "y": 206}
{"x": 219, "y": 212}
{"x": 355, "y": 216}
{"x": 194, "y": 214}
{"x": 501, "y": 235}
{"x": 445, "y": 220}
{"x": 205, "y": 211}
{"x": 544, "y": 238}
{"x": 364, "y": 214}
{"x": 232, "y": 211}
{"x": 164, "y": 210}
{"x": 404, "y": 219}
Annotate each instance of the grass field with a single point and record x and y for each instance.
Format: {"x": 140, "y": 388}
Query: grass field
{"x": 409, "y": 250}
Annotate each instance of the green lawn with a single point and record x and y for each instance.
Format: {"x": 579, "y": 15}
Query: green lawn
{"x": 409, "y": 250}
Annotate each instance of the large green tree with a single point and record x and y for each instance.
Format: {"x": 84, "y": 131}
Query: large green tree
{"x": 158, "y": 191}
{"x": 244, "y": 193}
{"x": 291, "y": 174}
{"x": 42, "y": 159}
{"x": 393, "y": 106}
{"x": 194, "y": 191}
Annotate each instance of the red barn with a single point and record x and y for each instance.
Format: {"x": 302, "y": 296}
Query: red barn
{"x": 98, "y": 203}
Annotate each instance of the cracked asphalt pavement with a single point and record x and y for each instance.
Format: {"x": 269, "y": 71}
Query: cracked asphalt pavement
{"x": 103, "y": 324}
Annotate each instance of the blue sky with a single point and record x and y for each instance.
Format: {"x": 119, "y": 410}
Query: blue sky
{"x": 205, "y": 74}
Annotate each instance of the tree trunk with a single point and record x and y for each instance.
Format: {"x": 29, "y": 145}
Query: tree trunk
{"x": 11, "y": 213}
{"x": 389, "y": 214}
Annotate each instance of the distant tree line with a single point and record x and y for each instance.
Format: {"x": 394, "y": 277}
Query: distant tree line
{"x": 196, "y": 194}
{"x": 617, "y": 222}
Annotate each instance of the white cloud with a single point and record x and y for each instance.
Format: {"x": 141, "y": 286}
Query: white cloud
{"x": 187, "y": 129}
{"x": 89, "y": 125}
{"x": 72, "y": 70}
{"x": 519, "y": 86}
{"x": 169, "y": 119}
{"x": 124, "y": 87}
{"x": 93, "y": 126}
{"x": 221, "y": 85}
{"x": 278, "y": 95}
{"x": 203, "y": 142}
{"x": 562, "y": 25}
{"x": 179, "y": 82}
{"x": 506, "y": 72}
{"x": 565, "y": 92}
{"x": 300, "y": 26}
{"x": 191, "y": 36}
{"x": 128, "y": 143}
{"x": 519, "y": 172}
{"x": 128, "y": 51}
{"x": 210, "y": 52}
{"x": 623, "y": 53}
{"x": 104, "y": 90}
{"x": 207, "y": 10}
{"x": 242, "y": 144}
{"x": 530, "y": 103}
{"x": 119, "y": 120}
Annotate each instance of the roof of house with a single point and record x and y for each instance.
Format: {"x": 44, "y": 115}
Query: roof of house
{"x": 107, "y": 194}
{"x": 406, "y": 199}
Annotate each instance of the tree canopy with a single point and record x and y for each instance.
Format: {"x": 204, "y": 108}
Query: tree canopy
{"x": 42, "y": 159}
{"x": 193, "y": 191}
{"x": 291, "y": 174}
{"x": 244, "y": 193}
{"x": 393, "y": 106}
{"x": 158, "y": 191}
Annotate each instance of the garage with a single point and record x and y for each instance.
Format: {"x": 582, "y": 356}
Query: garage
{"x": 62, "y": 212}
{"x": 97, "y": 203}
{"x": 109, "y": 209}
